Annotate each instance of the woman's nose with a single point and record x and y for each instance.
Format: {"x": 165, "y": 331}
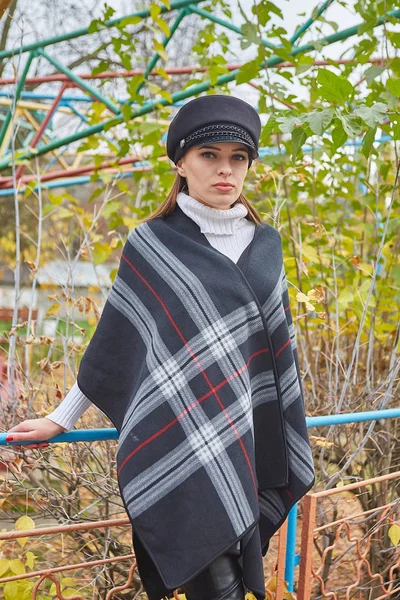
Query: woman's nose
{"x": 225, "y": 167}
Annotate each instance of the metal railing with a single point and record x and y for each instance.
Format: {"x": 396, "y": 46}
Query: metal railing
{"x": 287, "y": 558}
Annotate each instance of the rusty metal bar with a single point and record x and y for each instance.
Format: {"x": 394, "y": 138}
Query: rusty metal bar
{"x": 13, "y": 535}
{"x": 307, "y": 545}
{"x": 83, "y": 565}
{"x": 354, "y": 486}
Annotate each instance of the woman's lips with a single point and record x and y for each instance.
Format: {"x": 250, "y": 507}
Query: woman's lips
{"x": 224, "y": 188}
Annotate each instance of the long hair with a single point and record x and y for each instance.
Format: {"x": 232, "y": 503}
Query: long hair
{"x": 180, "y": 185}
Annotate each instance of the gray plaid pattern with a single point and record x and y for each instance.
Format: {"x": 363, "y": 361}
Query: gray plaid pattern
{"x": 166, "y": 373}
{"x": 205, "y": 364}
{"x": 217, "y": 341}
{"x": 149, "y": 487}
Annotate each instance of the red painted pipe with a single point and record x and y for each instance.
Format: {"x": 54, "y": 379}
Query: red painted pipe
{"x": 171, "y": 71}
{"x": 7, "y": 182}
{"x": 42, "y": 127}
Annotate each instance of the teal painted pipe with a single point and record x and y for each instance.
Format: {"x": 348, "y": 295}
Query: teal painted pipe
{"x": 18, "y": 91}
{"x": 81, "y": 82}
{"x": 182, "y": 13}
{"x": 310, "y": 21}
{"x": 143, "y": 14}
{"x": 209, "y": 15}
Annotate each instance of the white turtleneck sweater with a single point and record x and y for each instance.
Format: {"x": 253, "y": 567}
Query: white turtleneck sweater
{"x": 227, "y": 230}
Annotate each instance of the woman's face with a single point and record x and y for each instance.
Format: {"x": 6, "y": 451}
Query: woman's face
{"x": 204, "y": 167}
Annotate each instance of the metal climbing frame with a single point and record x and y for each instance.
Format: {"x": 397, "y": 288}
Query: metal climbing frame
{"x": 184, "y": 8}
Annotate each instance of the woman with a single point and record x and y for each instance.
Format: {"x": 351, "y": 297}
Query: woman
{"x": 194, "y": 360}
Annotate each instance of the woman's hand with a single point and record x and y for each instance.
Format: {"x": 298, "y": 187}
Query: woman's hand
{"x": 34, "y": 429}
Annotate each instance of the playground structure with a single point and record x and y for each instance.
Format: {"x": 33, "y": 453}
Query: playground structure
{"x": 34, "y": 113}
{"x": 40, "y": 139}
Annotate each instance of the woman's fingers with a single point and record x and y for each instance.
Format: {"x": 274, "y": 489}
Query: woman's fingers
{"x": 33, "y": 429}
{"x": 23, "y": 426}
{"x": 23, "y": 436}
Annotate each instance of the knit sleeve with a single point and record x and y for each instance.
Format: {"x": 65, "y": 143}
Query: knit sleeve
{"x": 70, "y": 409}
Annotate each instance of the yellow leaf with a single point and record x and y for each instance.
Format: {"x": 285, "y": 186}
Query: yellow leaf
{"x": 24, "y": 522}
{"x": 321, "y": 441}
{"x": 394, "y": 534}
{"x": 17, "y": 566}
{"x": 30, "y": 559}
{"x": 68, "y": 581}
{"x": 53, "y": 310}
{"x": 21, "y": 524}
{"x": 300, "y": 297}
{"x": 366, "y": 268}
{"x": 69, "y": 592}
{"x": 4, "y": 566}
{"x": 11, "y": 590}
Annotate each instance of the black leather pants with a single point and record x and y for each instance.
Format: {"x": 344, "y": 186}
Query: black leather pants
{"x": 221, "y": 580}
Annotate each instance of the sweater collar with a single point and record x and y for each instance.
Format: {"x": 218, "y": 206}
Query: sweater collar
{"x": 213, "y": 220}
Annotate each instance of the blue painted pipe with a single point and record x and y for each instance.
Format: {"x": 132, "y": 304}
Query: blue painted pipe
{"x": 77, "y": 435}
{"x": 371, "y": 415}
{"x": 292, "y": 559}
{"x": 291, "y": 547}
{"x": 93, "y": 435}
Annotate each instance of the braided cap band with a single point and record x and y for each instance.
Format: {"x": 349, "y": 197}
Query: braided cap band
{"x": 218, "y": 133}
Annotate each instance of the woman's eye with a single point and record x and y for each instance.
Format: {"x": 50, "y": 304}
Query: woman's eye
{"x": 235, "y": 156}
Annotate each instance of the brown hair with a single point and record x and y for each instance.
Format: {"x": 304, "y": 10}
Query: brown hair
{"x": 180, "y": 185}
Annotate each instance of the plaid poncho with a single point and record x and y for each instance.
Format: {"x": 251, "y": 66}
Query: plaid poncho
{"x": 194, "y": 360}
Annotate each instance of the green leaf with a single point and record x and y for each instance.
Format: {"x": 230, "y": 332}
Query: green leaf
{"x": 303, "y": 64}
{"x": 126, "y": 111}
{"x": 319, "y": 120}
{"x": 373, "y": 72}
{"x": 287, "y": 124}
{"x": 339, "y": 136}
{"x": 367, "y": 25}
{"x": 393, "y": 85}
{"x": 368, "y": 140}
{"x": 350, "y": 124}
{"x": 299, "y": 136}
{"x": 129, "y": 21}
{"x": 334, "y": 88}
{"x": 318, "y": 45}
{"x": 250, "y": 33}
{"x": 248, "y": 71}
{"x": 372, "y": 115}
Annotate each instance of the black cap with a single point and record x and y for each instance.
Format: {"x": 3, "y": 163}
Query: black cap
{"x": 214, "y": 118}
